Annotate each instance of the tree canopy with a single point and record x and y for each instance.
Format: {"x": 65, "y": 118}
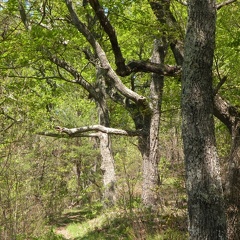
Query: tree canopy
{"x": 90, "y": 91}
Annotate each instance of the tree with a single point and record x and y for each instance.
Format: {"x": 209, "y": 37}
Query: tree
{"x": 73, "y": 41}
{"x": 144, "y": 113}
{"x": 205, "y": 195}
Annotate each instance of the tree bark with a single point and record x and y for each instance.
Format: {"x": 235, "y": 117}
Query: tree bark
{"x": 225, "y": 113}
{"x": 230, "y": 116}
{"x": 149, "y": 143}
{"x": 233, "y": 187}
{"x": 108, "y": 169}
{"x": 203, "y": 182}
{"x": 107, "y": 165}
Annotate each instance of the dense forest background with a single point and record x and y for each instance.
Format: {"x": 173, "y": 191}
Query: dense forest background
{"x": 52, "y": 80}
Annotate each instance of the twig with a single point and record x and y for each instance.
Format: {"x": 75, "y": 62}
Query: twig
{"x": 182, "y": 2}
{"x": 219, "y": 85}
{"x": 220, "y": 5}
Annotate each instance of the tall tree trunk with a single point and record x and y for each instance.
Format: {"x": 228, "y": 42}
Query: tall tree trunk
{"x": 107, "y": 166}
{"x": 204, "y": 187}
{"x": 149, "y": 143}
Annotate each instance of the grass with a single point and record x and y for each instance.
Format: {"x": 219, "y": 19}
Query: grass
{"x": 127, "y": 222}
{"x": 118, "y": 224}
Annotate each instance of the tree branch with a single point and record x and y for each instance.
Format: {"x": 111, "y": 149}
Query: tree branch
{"x": 111, "y": 74}
{"x": 134, "y": 66}
{"x": 23, "y": 14}
{"x": 147, "y": 66}
{"x": 61, "y": 135}
{"x": 219, "y": 85}
{"x": 73, "y": 132}
{"x": 225, "y": 112}
{"x": 108, "y": 28}
{"x": 78, "y": 77}
{"x": 220, "y": 5}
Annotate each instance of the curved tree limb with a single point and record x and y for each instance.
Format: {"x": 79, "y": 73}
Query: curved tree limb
{"x": 133, "y": 66}
{"x": 225, "y": 112}
{"x": 110, "y": 73}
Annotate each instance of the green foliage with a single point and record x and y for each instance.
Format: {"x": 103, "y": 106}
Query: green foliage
{"x": 40, "y": 177}
{"x": 227, "y": 51}
{"x": 50, "y": 235}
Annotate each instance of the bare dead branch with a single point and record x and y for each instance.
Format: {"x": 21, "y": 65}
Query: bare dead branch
{"x": 99, "y": 128}
{"x": 61, "y": 135}
{"x": 220, "y": 5}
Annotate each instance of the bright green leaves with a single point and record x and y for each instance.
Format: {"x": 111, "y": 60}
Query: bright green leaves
{"x": 136, "y": 28}
{"x": 227, "y": 51}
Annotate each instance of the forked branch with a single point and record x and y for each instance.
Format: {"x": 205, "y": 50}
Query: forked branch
{"x": 133, "y": 66}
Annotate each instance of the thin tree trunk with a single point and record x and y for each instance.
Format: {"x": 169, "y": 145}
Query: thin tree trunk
{"x": 108, "y": 169}
{"x": 149, "y": 144}
{"x": 204, "y": 187}
{"x": 107, "y": 165}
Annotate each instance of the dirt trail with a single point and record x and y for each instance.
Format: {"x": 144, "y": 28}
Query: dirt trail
{"x": 63, "y": 231}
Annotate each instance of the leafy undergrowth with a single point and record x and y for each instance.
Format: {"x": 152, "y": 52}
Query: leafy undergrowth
{"x": 88, "y": 224}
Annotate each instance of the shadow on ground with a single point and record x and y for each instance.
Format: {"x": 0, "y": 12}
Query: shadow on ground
{"x": 130, "y": 228}
{"x": 77, "y": 215}
{"x": 126, "y": 226}
{"x": 70, "y": 217}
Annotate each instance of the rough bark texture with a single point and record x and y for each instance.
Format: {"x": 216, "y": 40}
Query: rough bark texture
{"x": 149, "y": 144}
{"x": 107, "y": 166}
{"x": 203, "y": 182}
{"x": 233, "y": 186}
{"x": 223, "y": 111}
{"x": 108, "y": 169}
{"x": 230, "y": 116}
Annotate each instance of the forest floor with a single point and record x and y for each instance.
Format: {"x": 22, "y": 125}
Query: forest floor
{"x": 76, "y": 224}
{"x": 131, "y": 221}
{"x": 63, "y": 232}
